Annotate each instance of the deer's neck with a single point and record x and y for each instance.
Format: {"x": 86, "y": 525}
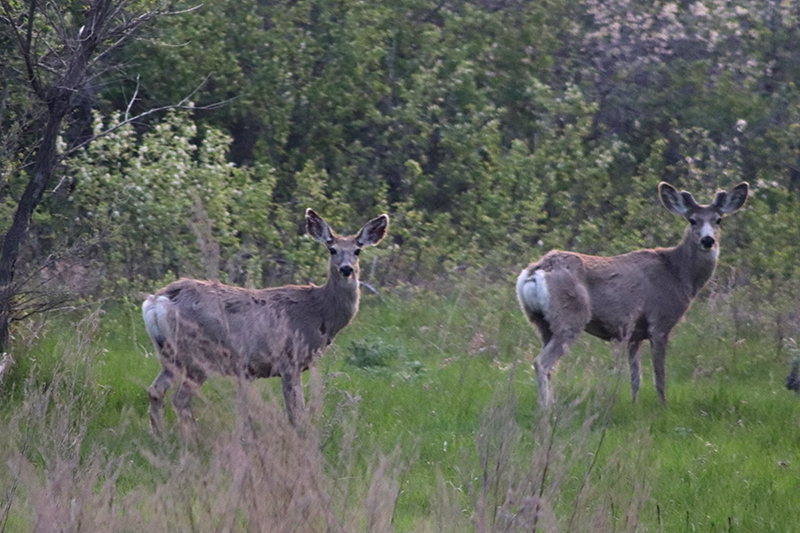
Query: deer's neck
{"x": 693, "y": 265}
{"x": 338, "y": 302}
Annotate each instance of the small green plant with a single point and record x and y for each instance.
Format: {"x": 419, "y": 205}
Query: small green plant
{"x": 366, "y": 353}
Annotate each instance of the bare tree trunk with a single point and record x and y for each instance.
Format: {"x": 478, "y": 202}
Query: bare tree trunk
{"x": 105, "y": 21}
{"x": 46, "y": 159}
{"x": 58, "y": 98}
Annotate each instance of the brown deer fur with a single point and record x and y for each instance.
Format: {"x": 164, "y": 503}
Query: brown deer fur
{"x": 201, "y": 328}
{"x": 632, "y": 297}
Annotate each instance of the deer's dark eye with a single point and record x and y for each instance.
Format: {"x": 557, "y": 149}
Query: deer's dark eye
{"x": 719, "y": 221}
{"x": 693, "y": 222}
{"x": 357, "y": 251}
{"x": 332, "y": 251}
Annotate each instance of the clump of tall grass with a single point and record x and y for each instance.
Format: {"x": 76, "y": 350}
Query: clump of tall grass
{"x": 560, "y": 475}
{"x": 54, "y": 480}
{"x": 252, "y": 473}
{"x": 247, "y": 469}
{"x": 748, "y": 308}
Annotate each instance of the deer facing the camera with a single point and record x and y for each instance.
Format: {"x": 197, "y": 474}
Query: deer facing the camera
{"x": 201, "y": 328}
{"x": 632, "y": 297}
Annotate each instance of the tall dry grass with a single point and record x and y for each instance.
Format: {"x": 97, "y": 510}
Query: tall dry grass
{"x": 246, "y": 469}
{"x": 255, "y": 473}
{"x": 566, "y": 479}
{"x": 54, "y": 480}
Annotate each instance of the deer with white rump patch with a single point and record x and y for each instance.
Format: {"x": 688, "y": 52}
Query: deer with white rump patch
{"x": 632, "y": 297}
{"x": 201, "y": 328}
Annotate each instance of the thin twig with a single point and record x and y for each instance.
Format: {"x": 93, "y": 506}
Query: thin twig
{"x": 371, "y": 289}
{"x": 24, "y": 43}
{"x": 184, "y": 104}
{"x": 133, "y": 99}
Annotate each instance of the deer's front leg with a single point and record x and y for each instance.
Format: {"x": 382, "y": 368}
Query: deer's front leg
{"x": 635, "y": 364}
{"x": 292, "y": 383}
{"x": 182, "y": 401}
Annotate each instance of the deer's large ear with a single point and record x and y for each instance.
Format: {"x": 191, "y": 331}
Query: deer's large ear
{"x": 676, "y": 202}
{"x": 733, "y": 200}
{"x": 373, "y": 231}
{"x": 318, "y": 228}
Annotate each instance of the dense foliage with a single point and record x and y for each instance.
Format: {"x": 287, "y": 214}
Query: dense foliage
{"x": 490, "y": 130}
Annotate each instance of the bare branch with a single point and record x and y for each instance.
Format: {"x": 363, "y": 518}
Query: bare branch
{"x": 133, "y": 99}
{"x": 33, "y": 272}
{"x": 27, "y": 159}
{"x": 24, "y": 42}
{"x": 133, "y": 119}
{"x": 26, "y": 51}
{"x": 112, "y": 129}
{"x": 55, "y": 305}
{"x": 372, "y": 289}
{"x": 56, "y": 21}
{"x": 121, "y": 33}
{"x": 185, "y": 104}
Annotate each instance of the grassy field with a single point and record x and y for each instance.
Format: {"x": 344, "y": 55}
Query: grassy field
{"x": 423, "y": 417}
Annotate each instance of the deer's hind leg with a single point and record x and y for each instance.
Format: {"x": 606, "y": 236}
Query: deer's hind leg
{"x": 556, "y": 345}
{"x": 157, "y": 390}
{"x": 635, "y": 364}
{"x": 567, "y": 313}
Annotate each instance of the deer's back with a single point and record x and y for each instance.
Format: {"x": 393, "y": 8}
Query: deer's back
{"x": 629, "y": 293}
{"x": 264, "y": 330}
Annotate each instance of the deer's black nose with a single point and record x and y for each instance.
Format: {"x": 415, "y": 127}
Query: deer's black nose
{"x": 707, "y": 242}
{"x": 346, "y": 271}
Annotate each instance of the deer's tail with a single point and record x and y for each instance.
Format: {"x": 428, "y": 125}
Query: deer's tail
{"x": 154, "y": 311}
{"x": 532, "y": 292}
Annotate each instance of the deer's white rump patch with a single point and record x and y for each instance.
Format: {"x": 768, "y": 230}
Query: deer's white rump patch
{"x": 532, "y": 292}
{"x": 154, "y": 312}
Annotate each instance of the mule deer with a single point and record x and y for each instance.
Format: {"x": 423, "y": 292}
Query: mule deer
{"x": 201, "y": 328}
{"x": 631, "y": 297}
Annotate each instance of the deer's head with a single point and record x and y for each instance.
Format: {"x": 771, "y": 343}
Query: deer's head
{"x": 345, "y": 250}
{"x": 704, "y": 220}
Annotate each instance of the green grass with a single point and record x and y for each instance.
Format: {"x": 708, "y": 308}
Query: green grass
{"x": 443, "y": 381}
